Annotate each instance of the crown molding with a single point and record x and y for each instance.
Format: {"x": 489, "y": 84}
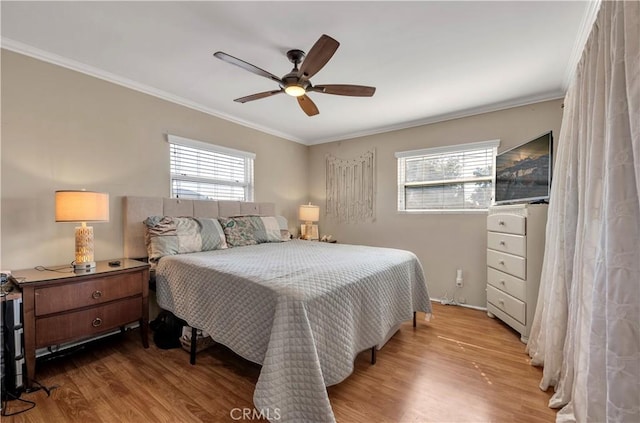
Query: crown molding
{"x": 55, "y": 59}
{"x": 36, "y": 53}
{"x": 555, "y": 95}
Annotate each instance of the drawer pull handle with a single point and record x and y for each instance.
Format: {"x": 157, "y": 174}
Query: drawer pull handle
{"x": 96, "y": 322}
{"x": 96, "y": 295}
{"x": 503, "y": 243}
{"x": 501, "y": 262}
{"x": 501, "y": 222}
{"x": 502, "y": 281}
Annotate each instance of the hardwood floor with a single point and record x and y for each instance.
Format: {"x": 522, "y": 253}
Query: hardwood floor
{"x": 460, "y": 367}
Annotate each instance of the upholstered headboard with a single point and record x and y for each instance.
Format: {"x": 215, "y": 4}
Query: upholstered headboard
{"x": 137, "y": 209}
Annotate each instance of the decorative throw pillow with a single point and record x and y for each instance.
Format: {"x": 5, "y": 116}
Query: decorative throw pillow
{"x": 251, "y": 230}
{"x": 167, "y": 235}
{"x": 240, "y": 231}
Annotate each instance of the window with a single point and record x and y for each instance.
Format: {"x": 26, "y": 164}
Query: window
{"x": 458, "y": 177}
{"x": 205, "y": 171}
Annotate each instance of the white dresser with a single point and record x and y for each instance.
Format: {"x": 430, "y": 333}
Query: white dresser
{"x": 515, "y": 249}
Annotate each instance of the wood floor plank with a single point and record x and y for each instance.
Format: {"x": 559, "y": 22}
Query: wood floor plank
{"x": 460, "y": 367}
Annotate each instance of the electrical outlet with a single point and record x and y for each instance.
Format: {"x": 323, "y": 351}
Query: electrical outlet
{"x": 459, "y": 278}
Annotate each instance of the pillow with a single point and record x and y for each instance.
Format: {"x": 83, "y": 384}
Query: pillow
{"x": 166, "y": 235}
{"x": 240, "y": 231}
{"x": 285, "y": 235}
{"x": 272, "y": 232}
{"x": 252, "y": 230}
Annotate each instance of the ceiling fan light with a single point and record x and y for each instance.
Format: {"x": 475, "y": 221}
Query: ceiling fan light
{"x": 295, "y": 90}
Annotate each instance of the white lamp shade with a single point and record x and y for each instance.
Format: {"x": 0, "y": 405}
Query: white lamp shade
{"x": 309, "y": 213}
{"x": 82, "y": 206}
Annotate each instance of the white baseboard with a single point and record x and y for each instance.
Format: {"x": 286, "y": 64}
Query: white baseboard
{"x": 440, "y": 301}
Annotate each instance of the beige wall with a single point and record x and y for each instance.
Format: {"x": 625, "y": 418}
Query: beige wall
{"x": 65, "y": 130}
{"x": 442, "y": 242}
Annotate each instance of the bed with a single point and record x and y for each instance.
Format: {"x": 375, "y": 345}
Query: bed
{"x": 301, "y": 309}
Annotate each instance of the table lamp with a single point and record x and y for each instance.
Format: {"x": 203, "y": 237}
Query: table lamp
{"x": 309, "y": 214}
{"x": 82, "y": 207}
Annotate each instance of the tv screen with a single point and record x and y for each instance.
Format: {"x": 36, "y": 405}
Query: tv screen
{"x": 523, "y": 173}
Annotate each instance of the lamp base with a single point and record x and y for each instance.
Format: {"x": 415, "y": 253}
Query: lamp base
{"x": 309, "y": 232}
{"x": 84, "y": 267}
{"x": 84, "y": 249}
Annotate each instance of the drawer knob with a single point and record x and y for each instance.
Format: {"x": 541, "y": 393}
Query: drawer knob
{"x": 96, "y": 322}
{"x": 503, "y": 243}
{"x": 501, "y": 302}
{"x": 501, "y": 222}
{"x": 501, "y": 262}
{"x": 502, "y": 281}
{"x": 96, "y": 295}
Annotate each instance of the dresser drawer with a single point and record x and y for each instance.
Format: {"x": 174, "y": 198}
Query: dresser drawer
{"x": 508, "y": 263}
{"x": 505, "y": 302}
{"x": 512, "y": 244}
{"x": 509, "y": 223}
{"x": 63, "y": 297}
{"x": 507, "y": 283}
{"x": 88, "y": 322}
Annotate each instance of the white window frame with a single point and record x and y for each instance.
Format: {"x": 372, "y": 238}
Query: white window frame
{"x": 248, "y": 158}
{"x": 402, "y": 157}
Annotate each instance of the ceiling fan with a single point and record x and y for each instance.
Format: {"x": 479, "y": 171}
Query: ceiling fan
{"x": 297, "y": 83}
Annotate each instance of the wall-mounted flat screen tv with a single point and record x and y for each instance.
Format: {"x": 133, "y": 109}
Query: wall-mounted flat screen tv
{"x": 523, "y": 173}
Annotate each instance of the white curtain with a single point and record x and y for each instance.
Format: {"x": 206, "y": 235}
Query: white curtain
{"x": 586, "y": 331}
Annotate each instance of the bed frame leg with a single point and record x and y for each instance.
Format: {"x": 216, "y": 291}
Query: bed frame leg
{"x": 194, "y": 339}
{"x": 373, "y": 355}
{"x": 414, "y": 319}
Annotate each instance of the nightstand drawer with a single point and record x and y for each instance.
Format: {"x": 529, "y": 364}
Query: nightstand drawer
{"x": 88, "y": 322}
{"x": 507, "y": 283}
{"x": 508, "y": 263}
{"x": 509, "y": 223}
{"x": 63, "y": 297}
{"x": 512, "y": 244}
{"x": 505, "y": 302}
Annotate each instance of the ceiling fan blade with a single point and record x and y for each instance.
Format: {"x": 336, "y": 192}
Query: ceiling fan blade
{"x": 340, "y": 89}
{"x": 246, "y": 66}
{"x": 318, "y": 56}
{"x": 307, "y": 105}
{"x": 258, "y": 96}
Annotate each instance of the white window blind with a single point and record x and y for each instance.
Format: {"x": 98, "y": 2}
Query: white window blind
{"x": 205, "y": 171}
{"x": 459, "y": 177}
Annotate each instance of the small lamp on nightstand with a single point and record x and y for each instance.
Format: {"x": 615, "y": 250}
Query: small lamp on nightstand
{"x": 82, "y": 206}
{"x": 309, "y": 214}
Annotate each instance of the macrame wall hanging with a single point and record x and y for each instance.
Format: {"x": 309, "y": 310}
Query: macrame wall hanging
{"x": 351, "y": 188}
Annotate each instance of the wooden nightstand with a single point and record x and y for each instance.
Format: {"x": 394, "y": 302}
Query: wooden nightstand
{"x": 63, "y": 306}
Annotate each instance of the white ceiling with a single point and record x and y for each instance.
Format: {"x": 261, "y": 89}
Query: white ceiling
{"x": 430, "y": 61}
